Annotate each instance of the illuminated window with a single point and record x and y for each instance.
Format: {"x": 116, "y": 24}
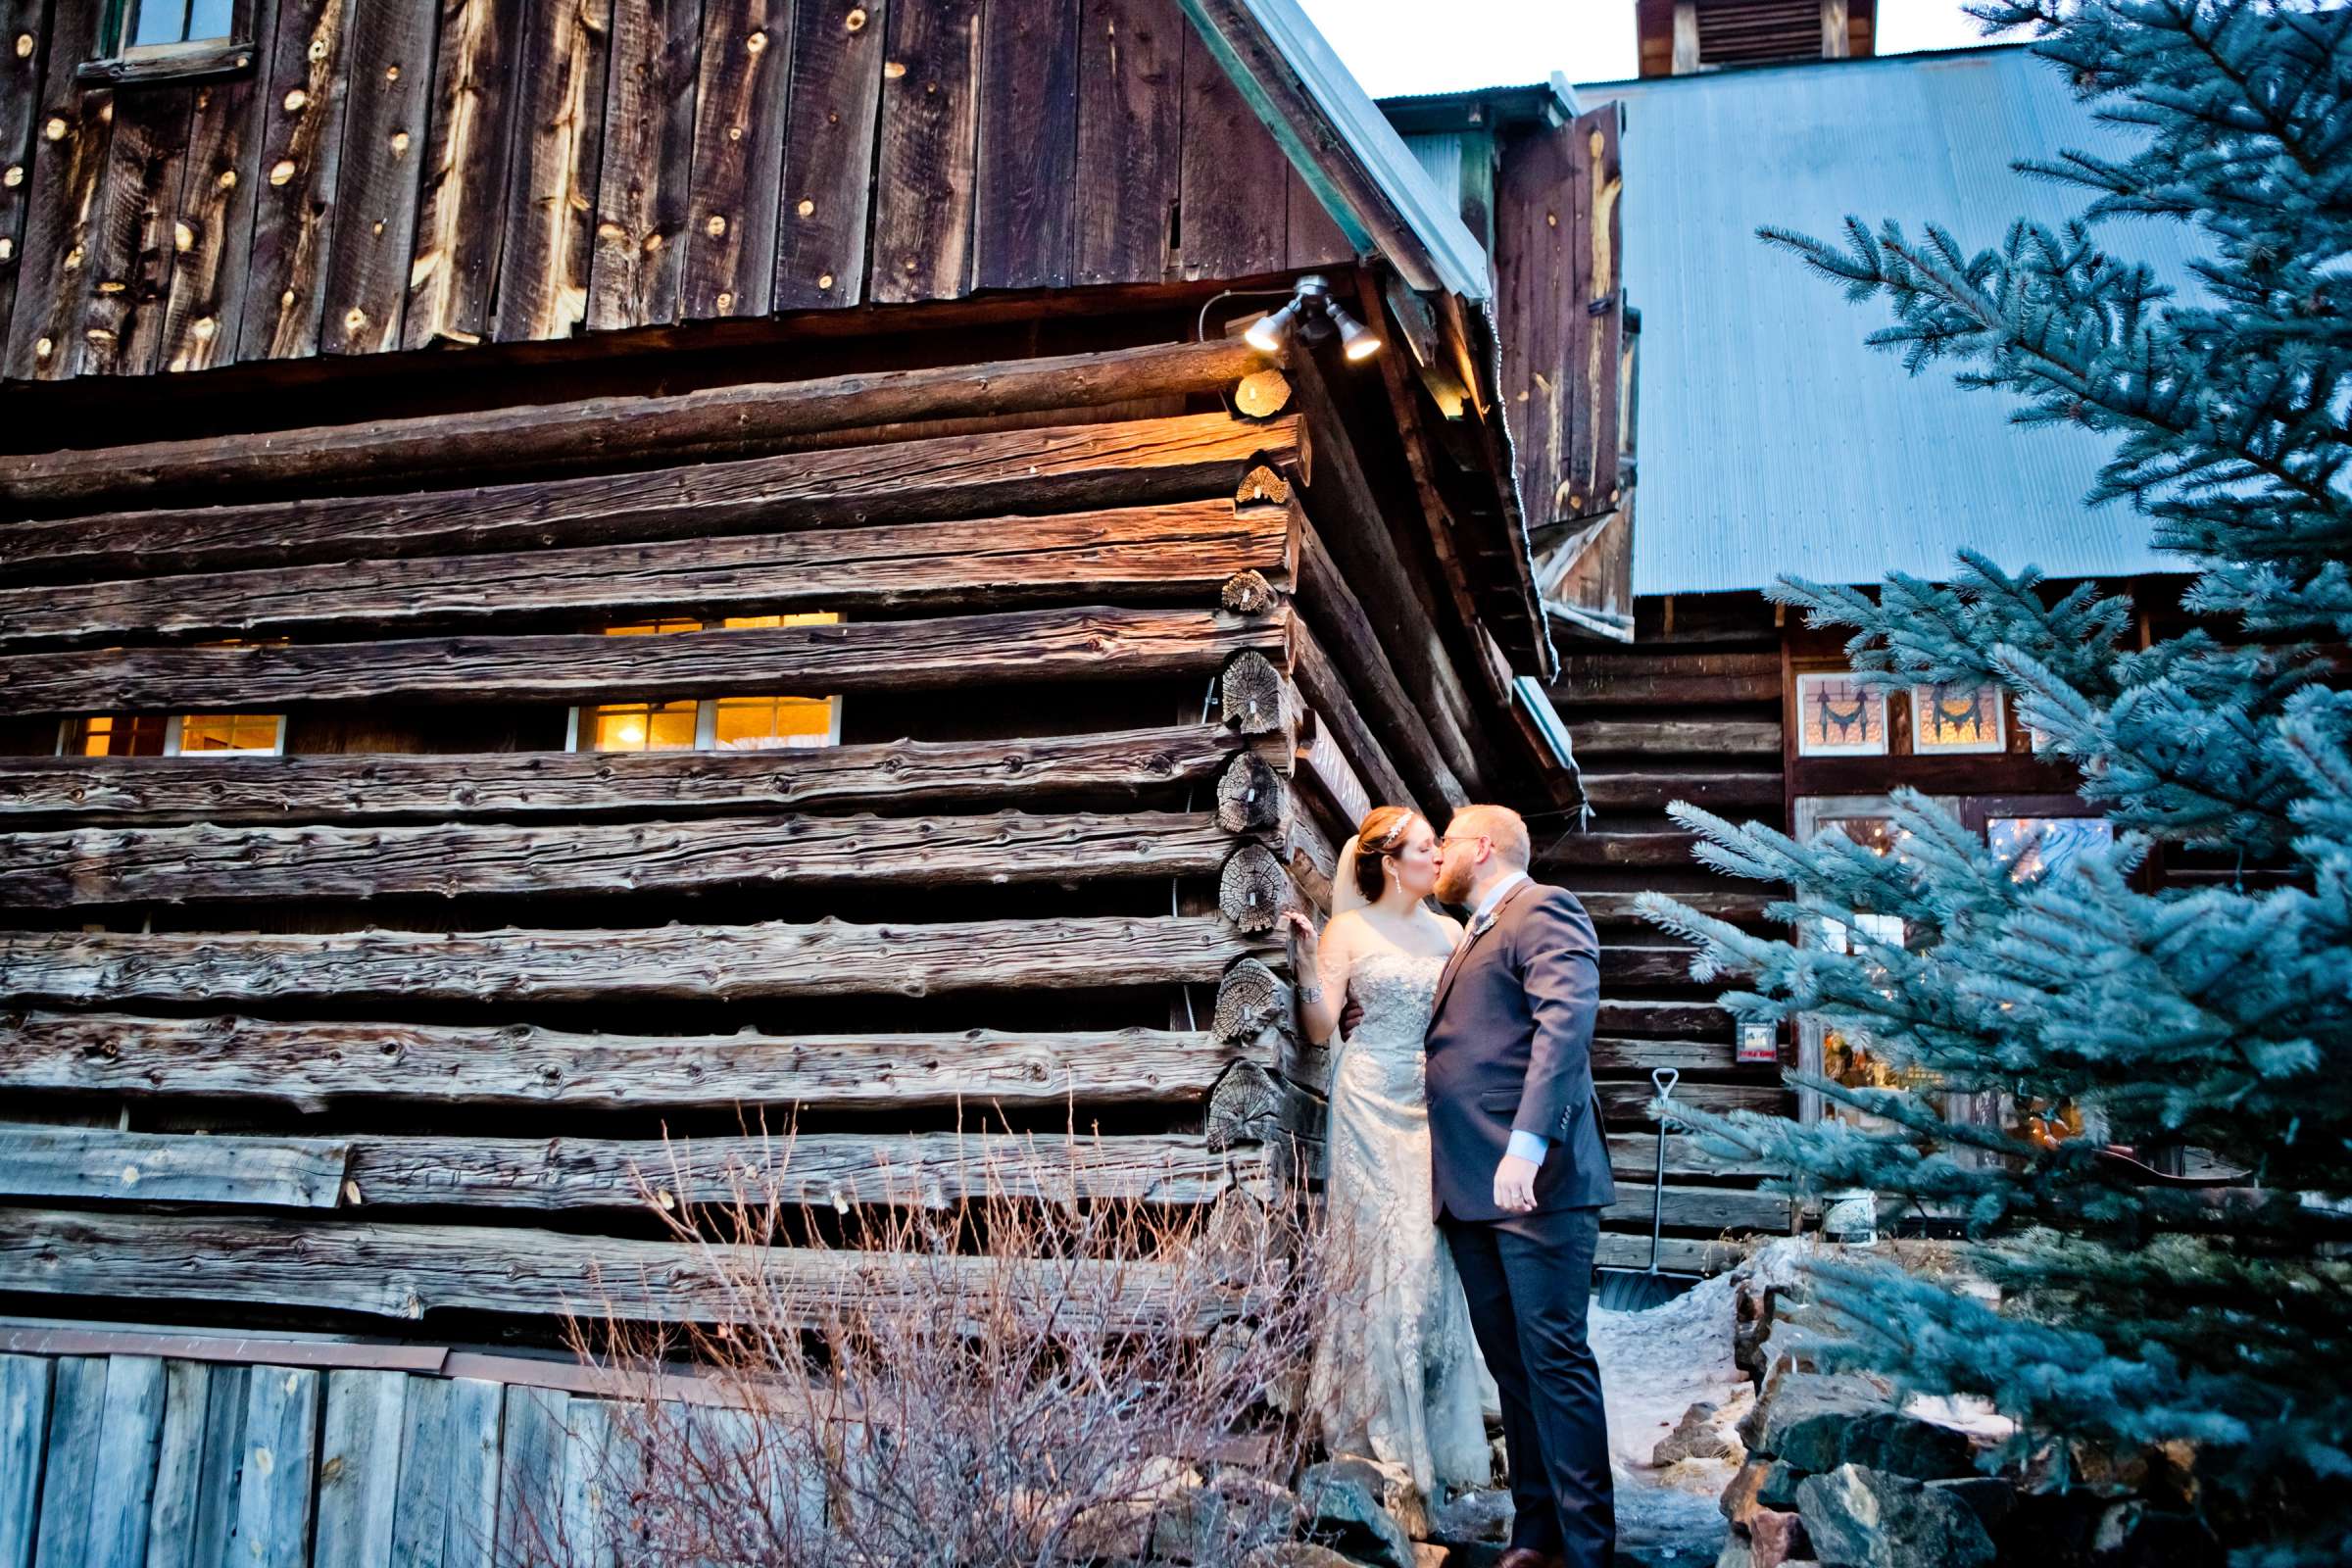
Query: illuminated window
{"x": 1957, "y": 719}
{"x": 114, "y": 735}
{"x": 711, "y": 723}
{"x": 1836, "y": 716}
{"x": 180, "y": 735}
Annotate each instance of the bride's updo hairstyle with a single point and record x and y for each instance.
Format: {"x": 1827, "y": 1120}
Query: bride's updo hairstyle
{"x": 1378, "y": 836}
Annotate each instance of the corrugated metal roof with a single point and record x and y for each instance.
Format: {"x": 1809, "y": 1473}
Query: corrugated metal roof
{"x": 1771, "y": 439}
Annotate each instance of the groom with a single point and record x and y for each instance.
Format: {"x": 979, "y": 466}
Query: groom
{"x": 1522, "y": 1173}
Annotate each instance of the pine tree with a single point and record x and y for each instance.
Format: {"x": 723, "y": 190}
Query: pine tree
{"x": 2132, "y": 1315}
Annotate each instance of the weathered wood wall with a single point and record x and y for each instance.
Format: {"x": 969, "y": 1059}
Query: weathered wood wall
{"x": 204, "y": 1453}
{"x": 406, "y": 174}
{"x": 1691, "y": 712}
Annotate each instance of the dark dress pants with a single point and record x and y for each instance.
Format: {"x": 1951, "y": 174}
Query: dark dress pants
{"x": 1529, "y": 1279}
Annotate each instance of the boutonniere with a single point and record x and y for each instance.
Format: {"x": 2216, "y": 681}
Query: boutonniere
{"x": 1483, "y": 924}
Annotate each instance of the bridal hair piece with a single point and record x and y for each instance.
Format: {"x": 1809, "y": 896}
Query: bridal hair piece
{"x": 1380, "y": 835}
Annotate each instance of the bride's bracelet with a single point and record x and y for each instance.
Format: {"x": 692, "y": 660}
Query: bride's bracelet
{"x": 1310, "y": 994}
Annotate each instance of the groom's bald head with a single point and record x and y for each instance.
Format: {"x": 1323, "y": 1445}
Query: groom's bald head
{"x": 1501, "y": 826}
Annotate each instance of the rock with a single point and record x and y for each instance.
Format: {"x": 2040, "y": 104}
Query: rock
{"x": 1760, "y": 1483}
{"x": 1296, "y": 1554}
{"x": 1704, "y": 1478}
{"x": 2139, "y": 1535}
{"x": 1989, "y": 1498}
{"x": 1736, "y": 1553}
{"x": 1235, "y": 1512}
{"x": 1661, "y": 1528}
{"x": 1817, "y": 1423}
{"x": 1429, "y": 1555}
{"x": 1777, "y": 1489}
{"x": 1699, "y": 1435}
{"x": 1338, "y": 1510}
{"x": 1472, "y": 1516}
{"x": 1738, "y": 1499}
{"x": 1777, "y": 1538}
{"x": 1863, "y": 1518}
{"x": 1389, "y": 1483}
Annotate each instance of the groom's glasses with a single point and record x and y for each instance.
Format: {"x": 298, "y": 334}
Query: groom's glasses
{"x": 1445, "y": 839}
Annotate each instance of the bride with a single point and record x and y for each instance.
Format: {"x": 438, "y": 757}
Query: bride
{"x": 1396, "y": 1374}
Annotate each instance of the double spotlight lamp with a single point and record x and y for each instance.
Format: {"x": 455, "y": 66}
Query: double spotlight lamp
{"x": 1313, "y": 316}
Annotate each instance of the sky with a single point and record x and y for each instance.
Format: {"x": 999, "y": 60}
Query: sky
{"x": 1393, "y": 47}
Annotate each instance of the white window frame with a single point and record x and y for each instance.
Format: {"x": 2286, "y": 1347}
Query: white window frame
{"x": 705, "y": 726}
{"x": 173, "y": 723}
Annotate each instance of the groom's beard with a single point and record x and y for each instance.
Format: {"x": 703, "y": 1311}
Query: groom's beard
{"x": 1453, "y": 883}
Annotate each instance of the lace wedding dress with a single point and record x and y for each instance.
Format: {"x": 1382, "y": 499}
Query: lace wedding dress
{"x": 1396, "y": 1374}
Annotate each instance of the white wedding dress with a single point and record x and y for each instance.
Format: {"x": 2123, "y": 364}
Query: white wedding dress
{"x": 1396, "y": 1374}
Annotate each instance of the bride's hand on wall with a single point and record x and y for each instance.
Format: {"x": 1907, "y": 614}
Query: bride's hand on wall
{"x": 1318, "y": 1006}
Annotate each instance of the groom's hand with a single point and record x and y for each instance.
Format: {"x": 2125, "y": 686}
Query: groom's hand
{"x": 1515, "y": 1185}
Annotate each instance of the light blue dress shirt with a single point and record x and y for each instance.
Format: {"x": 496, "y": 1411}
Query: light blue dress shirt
{"x": 1524, "y": 1145}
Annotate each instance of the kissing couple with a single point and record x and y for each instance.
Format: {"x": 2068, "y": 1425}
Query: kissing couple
{"x": 1467, "y": 1171}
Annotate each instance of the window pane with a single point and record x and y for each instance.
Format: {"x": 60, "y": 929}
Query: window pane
{"x": 651, "y": 628}
{"x": 1836, "y": 716}
{"x": 209, "y": 19}
{"x": 755, "y": 724}
{"x": 2037, "y": 846}
{"x": 227, "y": 732}
{"x": 639, "y": 727}
{"x": 159, "y": 22}
{"x": 115, "y": 735}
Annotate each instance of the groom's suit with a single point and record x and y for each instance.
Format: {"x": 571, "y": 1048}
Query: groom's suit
{"x": 1510, "y": 1050}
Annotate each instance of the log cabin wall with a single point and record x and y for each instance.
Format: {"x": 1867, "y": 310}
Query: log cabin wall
{"x": 356, "y": 181}
{"x": 435, "y": 980}
{"x": 1691, "y": 711}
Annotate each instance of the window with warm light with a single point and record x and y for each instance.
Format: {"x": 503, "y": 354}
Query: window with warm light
{"x": 175, "y": 735}
{"x": 710, "y": 723}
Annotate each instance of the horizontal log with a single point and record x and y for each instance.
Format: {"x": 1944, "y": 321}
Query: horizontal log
{"x": 181, "y": 864}
{"x": 1710, "y": 1210}
{"x": 1177, "y": 551}
{"x": 1627, "y": 1102}
{"x": 1628, "y": 964}
{"x": 371, "y": 786}
{"x": 406, "y": 1271}
{"x": 951, "y": 651}
{"x": 930, "y": 1170}
{"x": 1742, "y": 909}
{"x": 1676, "y": 690}
{"x": 1692, "y": 737}
{"x": 1676, "y": 1254}
{"x": 1634, "y": 1156}
{"x": 311, "y": 1065}
{"x": 1687, "y": 1019}
{"x": 705, "y": 964}
{"x": 100, "y": 1164}
{"x": 731, "y": 419}
{"x": 1568, "y": 850}
{"x": 1634, "y": 1053}
{"x": 1066, "y": 467}
{"x": 1598, "y": 675}
{"x": 1652, "y": 791}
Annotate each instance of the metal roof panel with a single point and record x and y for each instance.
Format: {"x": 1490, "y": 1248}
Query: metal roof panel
{"x": 1772, "y": 440}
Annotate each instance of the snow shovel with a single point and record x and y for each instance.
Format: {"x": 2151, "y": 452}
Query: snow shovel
{"x": 1631, "y": 1290}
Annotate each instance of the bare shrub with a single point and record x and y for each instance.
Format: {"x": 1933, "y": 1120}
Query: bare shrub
{"x": 1010, "y": 1378}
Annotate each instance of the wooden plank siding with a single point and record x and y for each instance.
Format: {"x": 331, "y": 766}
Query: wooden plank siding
{"x": 1690, "y": 711}
{"x": 423, "y": 173}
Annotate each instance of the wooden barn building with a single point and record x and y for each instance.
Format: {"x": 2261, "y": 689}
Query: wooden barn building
{"x": 579, "y": 574}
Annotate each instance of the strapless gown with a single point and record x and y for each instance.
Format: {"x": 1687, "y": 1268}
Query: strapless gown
{"x": 1397, "y": 1372}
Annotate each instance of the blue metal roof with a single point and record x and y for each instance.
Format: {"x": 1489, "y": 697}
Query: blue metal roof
{"x": 1770, "y": 439}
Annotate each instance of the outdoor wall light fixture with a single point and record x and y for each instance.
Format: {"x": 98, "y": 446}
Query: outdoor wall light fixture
{"x": 1314, "y": 314}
